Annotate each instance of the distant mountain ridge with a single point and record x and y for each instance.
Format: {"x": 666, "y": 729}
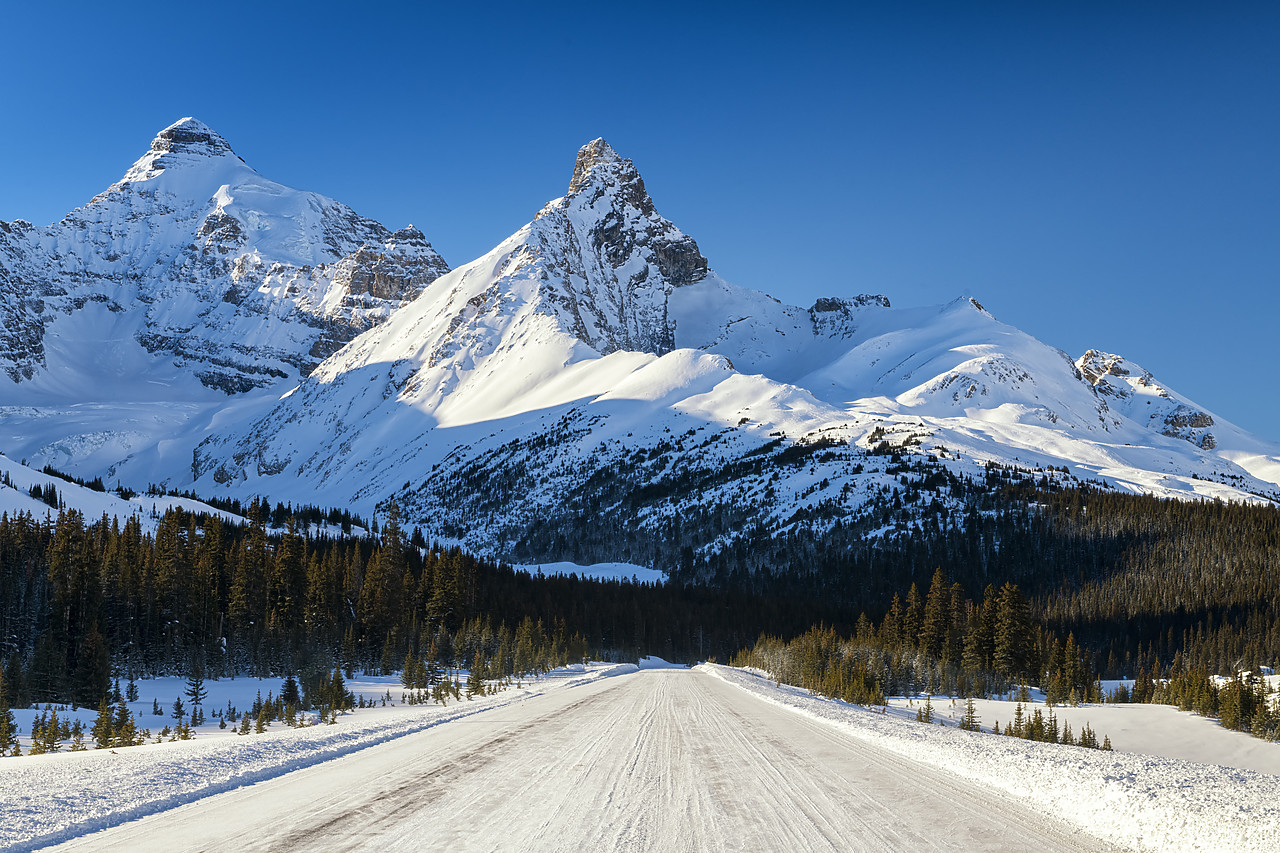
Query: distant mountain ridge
{"x": 589, "y": 389}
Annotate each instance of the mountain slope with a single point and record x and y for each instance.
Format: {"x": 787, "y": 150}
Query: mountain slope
{"x": 590, "y": 389}
{"x": 192, "y": 278}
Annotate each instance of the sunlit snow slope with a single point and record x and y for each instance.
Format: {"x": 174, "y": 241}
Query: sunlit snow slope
{"x": 592, "y": 366}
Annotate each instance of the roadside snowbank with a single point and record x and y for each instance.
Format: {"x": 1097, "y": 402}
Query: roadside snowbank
{"x": 47, "y": 799}
{"x": 1139, "y": 802}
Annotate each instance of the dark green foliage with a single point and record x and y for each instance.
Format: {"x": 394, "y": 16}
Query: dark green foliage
{"x": 195, "y": 690}
{"x": 80, "y": 598}
{"x": 8, "y": 725}
{"x": 1013, "y": 647}
{"x": 289, "y": 692}
{"x": 104, "y": 726}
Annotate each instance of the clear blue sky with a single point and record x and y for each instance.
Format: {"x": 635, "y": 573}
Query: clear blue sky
{"x": 1101, "y": 175}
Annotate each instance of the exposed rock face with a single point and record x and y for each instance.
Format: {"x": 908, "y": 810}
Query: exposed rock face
{"x": 613, "y": 259}
{"x": 1137, "y": 393}
{"x": 190, "y": 136}
{"x": 243, "y": 279}
{"x": 834, "y": 316}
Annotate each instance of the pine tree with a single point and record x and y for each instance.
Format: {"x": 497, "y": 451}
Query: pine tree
{"x": 125, "y": 730}
{"x": 475, "y": 678}
{"x": 289, "y": 692}
{"x": 1014, "y": 641}
{"x": 103, "y": 730}
{"x": 8, "y": 724}
{"x": 912, "y": 617}
{"x": 339, "y": 698}
{"x": 195, "y": 691}
{"x": 408, "y": 675}
{"x": 936, "y": 624}
{"x": 979, "y": 641}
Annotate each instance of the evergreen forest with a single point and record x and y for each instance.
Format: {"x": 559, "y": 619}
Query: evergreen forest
{"x": 1055, "y": 587}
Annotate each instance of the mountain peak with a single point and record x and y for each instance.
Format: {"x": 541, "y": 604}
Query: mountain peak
{"x": 190, "y": 136}
{"x": 595, "y": 153}
{"x": 186, "y": 141}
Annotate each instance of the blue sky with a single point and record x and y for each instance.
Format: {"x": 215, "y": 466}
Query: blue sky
{"x": 1099, "y": 175}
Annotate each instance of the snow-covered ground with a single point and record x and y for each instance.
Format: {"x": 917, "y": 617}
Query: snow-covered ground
{"x": 1147, "y": 802}
{"x": 45, "y": 799}
{"x": 1160, "y": 730}
{"x": 599, "y": 571}
{"x": 661, "y": 759}
{"x": 579, "y": 743}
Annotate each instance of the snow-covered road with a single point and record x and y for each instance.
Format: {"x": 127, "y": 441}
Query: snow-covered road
{"x": 656, "y": 760}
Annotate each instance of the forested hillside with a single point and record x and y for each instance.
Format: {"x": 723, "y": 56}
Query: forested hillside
{"x": 83, "y": 602}
{"x": 1137, "y": 584}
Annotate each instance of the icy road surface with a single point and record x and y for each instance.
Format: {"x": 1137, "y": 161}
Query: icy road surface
{"x": 658, "y": 760}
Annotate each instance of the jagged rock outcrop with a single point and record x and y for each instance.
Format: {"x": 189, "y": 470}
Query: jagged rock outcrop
{"x": 614, "y": 259}
{"x": 1139, "y": 396}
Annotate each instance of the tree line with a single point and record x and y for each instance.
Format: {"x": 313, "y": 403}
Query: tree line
{"x": 84, "y": 602}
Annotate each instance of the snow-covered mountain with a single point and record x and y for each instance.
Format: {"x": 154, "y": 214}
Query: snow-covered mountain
{"x": 173, "y": 298}
{"x": 194, "y": 258}
{"x": 591, "y": 384}
{"x": 590, "y": 389}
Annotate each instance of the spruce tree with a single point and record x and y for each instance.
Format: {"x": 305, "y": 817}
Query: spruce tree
{"x": 8, "y": 724}
{"x": 195, "y": 691}
{"x": 125, "y": 730}
{"x": 1014, "y": 640}
{"x": 103, "y": 730}
{"x": 289, "y": 693}
{"x": 936, "y": 624}
{"x": 475, "y": 678}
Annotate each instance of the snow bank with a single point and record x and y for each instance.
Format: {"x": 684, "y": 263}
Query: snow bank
{"x": 653, "y": 662}
{"x": 48, "y": 799}
{"x": 1139, "y": 802}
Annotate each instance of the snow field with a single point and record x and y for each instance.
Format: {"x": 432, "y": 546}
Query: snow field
{"x": 1158, "y": 730}
{"x": 47, "y": 799}
{"x": 598, "y": 571}
{"x": 1138, "y": 802}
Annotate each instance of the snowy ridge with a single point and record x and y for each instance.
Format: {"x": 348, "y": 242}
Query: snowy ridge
{"x": 16, "y": 499}
{"x": 1139, "y": 802}
{"x": 592, "y": 357}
